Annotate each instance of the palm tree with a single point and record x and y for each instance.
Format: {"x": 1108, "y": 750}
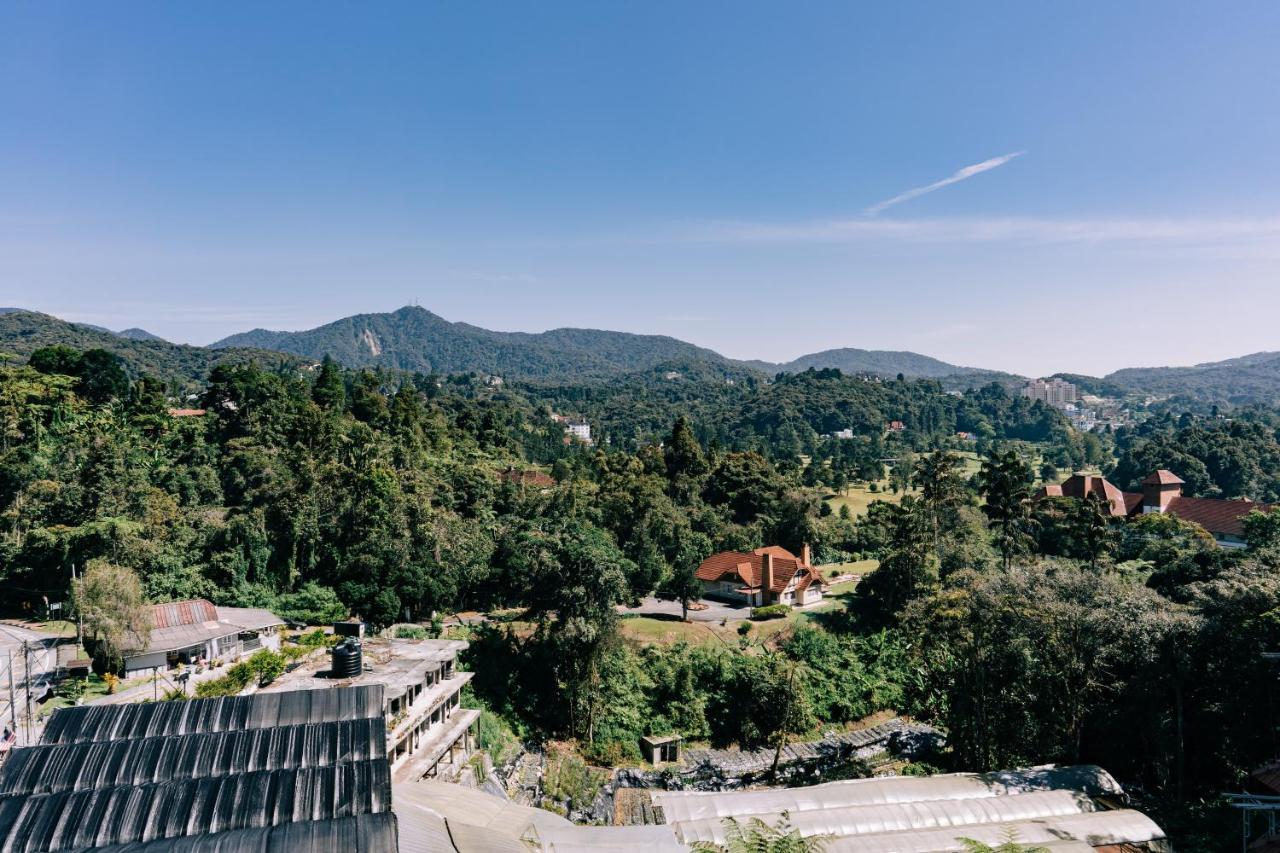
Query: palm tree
{"x": 756, "y": 836}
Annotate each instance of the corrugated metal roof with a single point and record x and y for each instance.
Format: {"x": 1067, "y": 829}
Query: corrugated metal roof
{"x": 93, "y": 818}
{"x": 372, "y": 833}
{"x": 141, "y": 761}
{"x": 229, "y": 713}
{"x": 191, "y": 612}
{"x": 248, "y": 618}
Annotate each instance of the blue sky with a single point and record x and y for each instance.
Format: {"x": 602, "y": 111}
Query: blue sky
{"x": 709, "y": 170}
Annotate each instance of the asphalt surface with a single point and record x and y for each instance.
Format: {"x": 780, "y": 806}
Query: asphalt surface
{"x": 716, "y": 610}
{"x": 42, "y": 657}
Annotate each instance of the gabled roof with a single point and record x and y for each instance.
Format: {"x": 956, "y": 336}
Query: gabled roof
{"x": 748, "y": 567}
{"x": 182, "y": 624}
{"x": 190, "y": 612}
{"x": 1162, "y": 477}
{"x": 1080, "y": 486}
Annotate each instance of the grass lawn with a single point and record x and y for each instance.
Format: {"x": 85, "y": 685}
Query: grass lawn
{"x": 858, "y": 498}
{"x": 57, "y": 627}
{"x": 656, "y": 631}
{"x": 95, "y": 689}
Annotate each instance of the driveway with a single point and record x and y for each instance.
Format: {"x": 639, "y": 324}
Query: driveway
{"x": 716, "y": 610}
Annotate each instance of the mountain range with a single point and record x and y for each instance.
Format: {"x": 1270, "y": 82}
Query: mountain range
{"x": 414, "y": 339}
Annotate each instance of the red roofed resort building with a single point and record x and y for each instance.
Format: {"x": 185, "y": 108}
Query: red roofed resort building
{"x": 1162, "y": 493}
{"x": 769, "y": 575}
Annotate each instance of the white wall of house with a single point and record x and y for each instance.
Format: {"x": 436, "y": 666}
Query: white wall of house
{"x": 148, "y": 661}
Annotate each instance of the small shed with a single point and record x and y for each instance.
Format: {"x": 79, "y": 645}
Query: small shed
{"x": 661, "y": 749}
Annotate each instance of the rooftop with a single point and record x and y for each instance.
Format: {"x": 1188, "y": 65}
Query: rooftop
{"x": 292, "y": 771}
{"x": 395, "y": 665}
{"x": 181, "y": 624}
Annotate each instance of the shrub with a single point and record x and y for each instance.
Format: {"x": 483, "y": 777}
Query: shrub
{"x": 570, "y": 780}
{"x": 72, "y": 689}
{"x": 316, "y": 639}
{"x": 769, "y": 611}
{"x": 313, "y": 604}
{"x": 410, "y": 632}
{"x": 267, "y": 665}
{"x": 236, "y": 680}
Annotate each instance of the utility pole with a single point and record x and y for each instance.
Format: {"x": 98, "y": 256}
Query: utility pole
{"x": 79, "y": 621}
{"x": 26, "y": 665}
{"x": 13, "y": 699}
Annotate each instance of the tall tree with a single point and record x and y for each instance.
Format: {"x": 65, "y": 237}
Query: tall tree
{"x": 1004, "y": 481}
{"x": 942, "y": 488}
{"x": 686, "y": 463}
{"x": 109, "y": 598}
{"x": 908, "y": 564}
{"x": 330, "y": 391}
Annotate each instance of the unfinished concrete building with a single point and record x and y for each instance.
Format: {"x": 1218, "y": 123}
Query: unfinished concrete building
{"x": 429, "y": 733}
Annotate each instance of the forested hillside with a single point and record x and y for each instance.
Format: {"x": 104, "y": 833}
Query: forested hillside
{"x": 414, "y": 339}
{"x": 1241, "y": 381}
{"x": 177, "y": 365}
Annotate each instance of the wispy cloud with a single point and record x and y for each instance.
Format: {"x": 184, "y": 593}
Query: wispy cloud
{"x": 1033, "y": 230}
{"x": 961, "y": 175}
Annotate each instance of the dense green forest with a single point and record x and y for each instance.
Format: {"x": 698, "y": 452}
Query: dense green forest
{"x": 1029, "y": 631}
{"x": 387, "y": 489}
{"x": 1218, "y": 457}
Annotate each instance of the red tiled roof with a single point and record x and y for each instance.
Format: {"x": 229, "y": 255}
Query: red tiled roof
{"x": 1162, "y": 478}
{"x": 1132, "y": 502}
{"x": 186, "y": 413}
{"x": 1215, "y": 516}
{"x": 748, "y": 567}
{"x": 175, "y": 613}
{"x": 1080, "y": 486}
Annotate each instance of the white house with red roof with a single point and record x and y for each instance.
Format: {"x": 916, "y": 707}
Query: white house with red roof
{"x": 769, "y": 575}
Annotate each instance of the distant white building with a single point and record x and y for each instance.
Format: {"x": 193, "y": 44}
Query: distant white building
{"x": 843, "y": 433}
{"x": 579, "y": 430}
{"x": 1055, "y": 392}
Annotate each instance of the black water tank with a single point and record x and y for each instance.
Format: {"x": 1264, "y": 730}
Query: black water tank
{"x": 348, "y": 661}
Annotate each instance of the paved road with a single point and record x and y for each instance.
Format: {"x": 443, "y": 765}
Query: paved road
{"x": 43, "y": 659}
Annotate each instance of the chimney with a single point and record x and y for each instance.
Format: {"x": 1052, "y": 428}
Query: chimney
{"x": 766, "y": 577}
{"x": 1159, "y": 490}
{"x": 806, "y": 556}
